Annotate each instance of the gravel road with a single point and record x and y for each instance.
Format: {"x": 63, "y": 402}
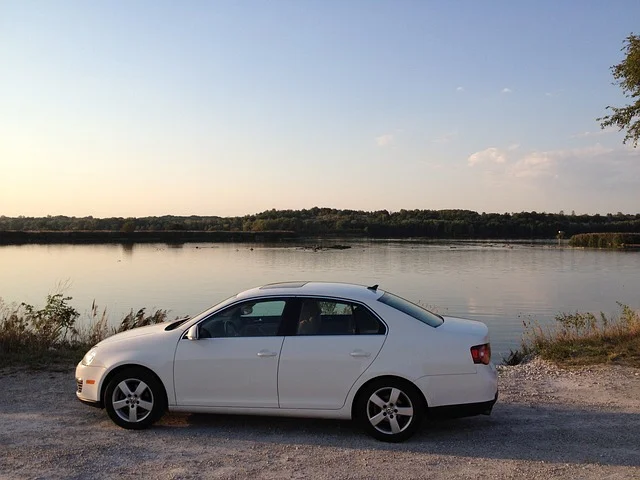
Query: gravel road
{"x": 548, "y": 423}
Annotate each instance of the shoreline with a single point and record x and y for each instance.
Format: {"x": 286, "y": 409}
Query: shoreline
{"x": 115, "y": 237}
{"x": 285, "y": 237}
{"x": 98, "y": 237}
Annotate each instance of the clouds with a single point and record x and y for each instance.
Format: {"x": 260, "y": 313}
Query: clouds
{"x": 489, "y": 155}
{"x": 591, "y": 166}
{"x": 385, "y": 140}
{"x": 534, "y": 165}
{"x": 556, "y": 163}
{"x": 504, "y": 90}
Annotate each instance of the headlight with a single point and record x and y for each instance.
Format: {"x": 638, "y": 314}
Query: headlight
{"x": 88, "y": 358}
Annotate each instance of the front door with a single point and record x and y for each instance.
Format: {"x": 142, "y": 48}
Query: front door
{"x": 234, "y": 362}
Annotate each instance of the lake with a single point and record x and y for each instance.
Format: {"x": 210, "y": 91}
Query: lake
{"x": 498, "y": 283}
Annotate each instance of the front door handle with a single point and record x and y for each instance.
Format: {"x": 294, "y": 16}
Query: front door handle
{"x": 266, "y": 353}
{"x": 360, "y": 353}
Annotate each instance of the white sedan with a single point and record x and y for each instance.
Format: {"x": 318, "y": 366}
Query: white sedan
{"x": 305, "y": 349}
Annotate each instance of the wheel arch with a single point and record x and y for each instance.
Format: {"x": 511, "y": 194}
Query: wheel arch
{"x": 127, "y": 366}
{"x": 394, "y": 378}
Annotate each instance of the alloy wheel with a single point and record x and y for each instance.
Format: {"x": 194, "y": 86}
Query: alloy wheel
{"x": 132, "y": 400}
{"x": 389, "y": 410}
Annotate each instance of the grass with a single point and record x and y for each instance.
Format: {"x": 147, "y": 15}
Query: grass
{"x": 50, "y": 338}
{"x": 580, "y": 339}
{"x": 606, "y": 240}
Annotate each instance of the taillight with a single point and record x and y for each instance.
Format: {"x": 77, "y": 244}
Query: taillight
{"x": 481, "y": 354}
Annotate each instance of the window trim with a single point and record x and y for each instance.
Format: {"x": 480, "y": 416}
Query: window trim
{"x": 289, "y": 324}
{"x": 283, "y": 322}
{"x": 337, "y": 300}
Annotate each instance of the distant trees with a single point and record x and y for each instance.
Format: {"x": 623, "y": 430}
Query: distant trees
{"x": 128, "y": 226}
{"x": 329, "y": 221}
{"x": 627, "y": 77}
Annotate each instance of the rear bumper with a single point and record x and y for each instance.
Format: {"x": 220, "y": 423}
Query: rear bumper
{"x": 480, "y": 388}
{"x": 463, "y": 410}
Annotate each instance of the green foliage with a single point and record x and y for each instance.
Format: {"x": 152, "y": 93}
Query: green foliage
{"x": 332, "y": 222}
{"x": 606, "y": 240}
{"x": 577, "y": 323}
{"x": 53, "y": 322}
{"x": 128, "y": 226}
{"x": 583, "y": 339}
{"x": 516, "y": 357}
{"x": 627, "y": 76}
{"x": 25, "y": 327}
{"x": 35, "y": 337}
{"x": 629, "y": 318}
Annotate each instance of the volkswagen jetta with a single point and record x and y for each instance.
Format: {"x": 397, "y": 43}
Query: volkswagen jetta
{"x": 307, "y": 349}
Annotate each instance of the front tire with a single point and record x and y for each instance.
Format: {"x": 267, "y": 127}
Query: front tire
{"x": 134, "y": 399}
{"x": 390, "y": 410}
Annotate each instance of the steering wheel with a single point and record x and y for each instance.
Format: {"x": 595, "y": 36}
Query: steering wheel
{"x": 230, "y": 329}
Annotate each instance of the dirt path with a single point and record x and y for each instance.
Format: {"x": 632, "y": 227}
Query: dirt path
{"x": 548, "y": 423}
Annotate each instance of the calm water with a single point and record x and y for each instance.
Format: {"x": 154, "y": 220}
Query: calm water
{"x": 497, "y": 284}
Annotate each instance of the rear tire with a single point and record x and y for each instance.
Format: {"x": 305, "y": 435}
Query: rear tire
{"x": 134, "y": 399}
{"x": 390, "y": 410}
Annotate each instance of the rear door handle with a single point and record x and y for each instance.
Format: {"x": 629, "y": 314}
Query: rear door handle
{"x": 266, "y": 353}
{"x": 360, "y": 353}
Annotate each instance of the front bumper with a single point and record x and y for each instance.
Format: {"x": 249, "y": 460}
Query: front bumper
{"x": 91, "y": 403}
{"x": 88, "y": 384}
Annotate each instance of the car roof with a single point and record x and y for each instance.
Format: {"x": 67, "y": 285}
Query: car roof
{"x": 348, "y": 291}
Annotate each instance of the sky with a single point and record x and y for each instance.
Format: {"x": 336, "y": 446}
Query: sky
{"x": 235, "y": 107}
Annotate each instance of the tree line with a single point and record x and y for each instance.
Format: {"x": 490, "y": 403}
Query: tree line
{"x": 329, "y": 221}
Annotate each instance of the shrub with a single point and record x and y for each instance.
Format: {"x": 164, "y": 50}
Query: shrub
{"x": 25, "y": 327}
{"x": 34, "y": 336}
{"x": 583, "y": 338}
{"x": 605, "y": 240}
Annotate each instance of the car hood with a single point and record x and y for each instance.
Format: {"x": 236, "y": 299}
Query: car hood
{"x": 135, "y": 332}
{"x": 463, "y": 326}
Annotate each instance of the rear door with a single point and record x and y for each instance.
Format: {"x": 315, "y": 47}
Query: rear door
{"x": 334, "y": 342}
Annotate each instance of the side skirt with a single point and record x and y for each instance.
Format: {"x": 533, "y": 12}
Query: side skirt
{"x": 342, "y": 414}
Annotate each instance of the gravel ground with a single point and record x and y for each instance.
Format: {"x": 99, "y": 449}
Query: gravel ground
{"x": 548, "y": 423}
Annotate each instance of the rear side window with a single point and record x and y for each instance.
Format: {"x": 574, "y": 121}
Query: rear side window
{"x": 411, "y": 309}
{"x": 329, "y": 317}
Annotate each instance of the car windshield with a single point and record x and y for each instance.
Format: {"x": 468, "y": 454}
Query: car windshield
{"x": 416, "y": 311}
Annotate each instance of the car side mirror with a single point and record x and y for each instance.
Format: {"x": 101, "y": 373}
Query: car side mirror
{"x": 192, "y": 333}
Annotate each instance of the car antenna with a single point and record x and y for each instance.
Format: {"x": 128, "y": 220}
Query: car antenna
{"x": 374, "y": 288}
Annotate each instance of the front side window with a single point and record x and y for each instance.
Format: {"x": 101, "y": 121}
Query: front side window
{"x": 328, "y": 317}
{"x": 411, "y": 309}
{"x": 249, "y": 319}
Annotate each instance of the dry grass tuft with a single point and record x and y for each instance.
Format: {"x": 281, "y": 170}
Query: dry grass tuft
{"x": 584, "y": 339}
